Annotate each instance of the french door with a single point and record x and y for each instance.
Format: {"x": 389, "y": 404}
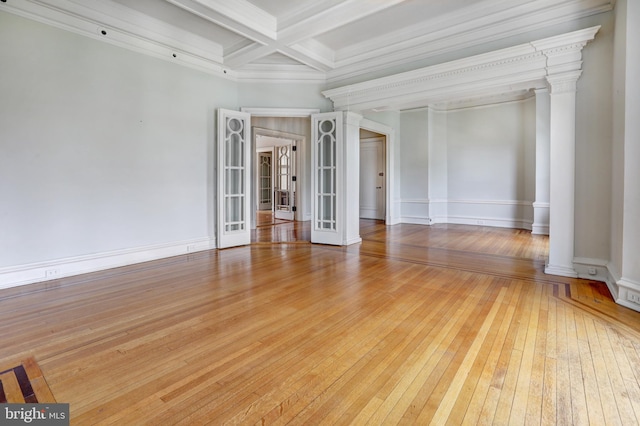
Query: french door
{"x": 285, "y": 190}
{"x": 233, "y": 174}
{"x": 265, "y": 180}
{"x": 327, "y": 178}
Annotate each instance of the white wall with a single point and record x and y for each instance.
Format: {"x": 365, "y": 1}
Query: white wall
{"x": 107, "y": 154}
{"x": 283, "y": 95}
{"x": 487, "y": 168}
{"x": 618, "y": 135}
{"x": 593, "y": 146}
{"x": 414, "y": 170}
{"x": 625, "y": 207}
{"x": 103, "y": 151}
{"x": 473, "y": 165}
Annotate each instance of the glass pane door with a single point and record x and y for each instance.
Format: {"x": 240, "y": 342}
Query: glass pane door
{"x": 326, "y": 178}
{"x": 265, "y": 181}
{"x": 284, "y": 188}
{"x": 233, "y": 178}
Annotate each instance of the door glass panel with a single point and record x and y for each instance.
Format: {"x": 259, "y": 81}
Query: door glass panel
{"x": 283, "y": 178}
{"x": 234, "y": 175}
{"x": 326, "y": 169}
{"x": 265, "y": 191}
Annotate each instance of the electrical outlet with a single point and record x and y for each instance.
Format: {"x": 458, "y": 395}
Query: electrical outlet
{"x": 191, "y": 248}
{"x": 633, "y": 297}
{"x": 592, "y": 270}
{"x": 51, "y": 273}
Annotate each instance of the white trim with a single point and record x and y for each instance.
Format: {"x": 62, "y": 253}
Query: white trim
{"x": 498, "y": 222}
{"x": 280, "y": 112}
{"x": 492, "y": 202}
{"x": 416, "y": 220}
{"x": 628, "y": 289}
{"x": 506, "y": 70}
{"x": 43, "y": 271}
{"x": 484, "y": 22}
{"x": 391, "y": 212}
{"x": 128, "y": 29}
{"x": 493, "y": 222}
{"x": 279, "y": 73}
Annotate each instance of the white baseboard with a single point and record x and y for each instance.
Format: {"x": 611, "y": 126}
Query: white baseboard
{"x": 628, "y": 293}
{"x": 488, "y": 221}
{"x": 539, "y": 229}
{"x": 625, "y": 292}
{"x": 415, "y": 220}
{"x": 354, "y": 240}
{"x": 561, "y": 271}
{"x": 44, "y": 271}
{"x": 591, "y": 269}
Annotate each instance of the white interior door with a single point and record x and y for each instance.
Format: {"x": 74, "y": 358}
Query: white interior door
{"x": 372, "y": 179}
{"x": 234, "y": 136}
{"x": 326, "y": 178}
{"x": 285, "y": 193}
{"x": 265, "y": 180}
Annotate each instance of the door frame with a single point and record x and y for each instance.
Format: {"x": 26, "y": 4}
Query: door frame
{"x": 258, "y": 178}
{"x": 300, "y": 141}
{"x": 382, "y": 139}
{"x": 391, "y": 204}
{"x": 303, "y": 161}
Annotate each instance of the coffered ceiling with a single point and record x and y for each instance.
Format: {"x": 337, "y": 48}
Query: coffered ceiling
{"x": 330, "y": 41}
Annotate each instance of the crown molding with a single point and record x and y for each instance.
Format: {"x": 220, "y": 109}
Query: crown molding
{"x": 485, "y": 22}
{"x": 279, "y": 112}
{"x": 293, "y": 34}
{"x": 105, "y": 21}
{"x": 279, "y": 73}
{"x": 482, "y": 101}
{"x": 506, "y": 70}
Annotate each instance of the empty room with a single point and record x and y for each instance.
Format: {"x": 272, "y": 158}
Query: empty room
{"x": 306, "y": 212}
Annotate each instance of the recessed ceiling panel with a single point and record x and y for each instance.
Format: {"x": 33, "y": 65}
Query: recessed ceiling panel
{"x": 280, "y": 8}
{"x": 182, "y": 19}
{"x": 395, "y": 18}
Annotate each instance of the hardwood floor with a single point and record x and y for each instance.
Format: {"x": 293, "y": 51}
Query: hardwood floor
{"x": 272, "y": 230}
{"x": 416, "y": 325}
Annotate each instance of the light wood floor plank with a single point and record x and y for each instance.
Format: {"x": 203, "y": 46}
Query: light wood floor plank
{"x": 442, "y": 324}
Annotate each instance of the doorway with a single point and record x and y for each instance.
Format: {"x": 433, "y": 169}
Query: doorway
{"x": 275, "y": 170}
{"x": 277, "y": 190}
{"x": 372, "y": 178}
{"x": 372, "y": 175}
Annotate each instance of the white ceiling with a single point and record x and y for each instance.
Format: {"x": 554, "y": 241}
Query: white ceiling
{"x": 329, "y": 41}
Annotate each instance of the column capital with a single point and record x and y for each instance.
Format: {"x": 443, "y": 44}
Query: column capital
{"x": 563, "y": 82}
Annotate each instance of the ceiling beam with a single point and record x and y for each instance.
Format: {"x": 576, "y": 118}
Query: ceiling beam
{"x": 247, "y": 55}
{"x": 337, "y": 16}
{"x": 238, "y": 16}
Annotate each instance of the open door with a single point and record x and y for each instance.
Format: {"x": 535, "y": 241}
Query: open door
{"x": 265, "y": 180}
{"x": 285, "y": 181}
{"x": 372, "y": 179}
{"x": 234, "y": 130}
{"x": 326, "y": 178}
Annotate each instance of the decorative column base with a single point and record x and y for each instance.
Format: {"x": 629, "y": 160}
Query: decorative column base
{"x": 563, "y": 271}
{"x": 540, "y": 219}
